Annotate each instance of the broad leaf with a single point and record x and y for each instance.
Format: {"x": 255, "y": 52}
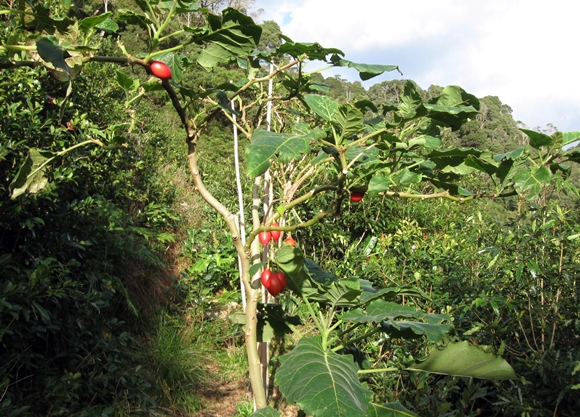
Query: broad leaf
{"x": 133, "y": 18}
{"x": 463, "y": 359}
{"x": 530, "y": 182}
{"x": 410, "y": 106}
{"x": 537, "y": 139}
{"x": 126, "y": 82}
{"x": 395, "y": 409}
{"x": 314, "y": 51}
{"x": 266, "y": 412}
{"x": 452, "y": 157}
{"x": 234, "y": 35}
{"x": 322, "y": 106}
{"x": 515, "y": 154}
{"x": 484, "y": 163}
{"x": 89, "y": 23}
{"x": 51, "y": 52}
{"x": 321, "y": 382}
{"x": 404, "y": 329}
{"x": 283, "y": 146}
{"x": 379, "y": 310}
{"x": 174, "y": 62}
{"x": 570, "y": 137}
{"x": 453, "y": 107}
{"x": 390, "y": 293}
{"x": 349, "y": 119}
{"x": 30, "y": 176}
{"x": 386, "y": 313}
{"x": 366, "y": 71}
{"x": 291, "y": 261}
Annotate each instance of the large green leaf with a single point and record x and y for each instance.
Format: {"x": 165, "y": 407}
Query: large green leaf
{"x": 92, "y": 22}
{"x": 453, "y": 157}
{"x": 366, "y": 71}
{"x": 31, "y": 176}
{"x": 530, "y": 182}
{"x": 233, "y": 35}
{"x": 389, "y": 293}
{"x": 284, "y": 146}
{"x": 50, "y": 51}
{"x": 484, "y": 163}
{"x": 383, "y": 181}
{"x": 322, "y": 106}
{"x": 314, "y": 51}
{"x": 569, "y": 137}
{"x": 386, "y": 313}
{"x": 379, "y": 310}
{"x": 291, "y": 261}
{"x": 537, "y": 139}
{"x": 349, "y": 119}
{"x": 266, "y": 412}
{"x": 452, "y": 107}
{"x": 322, "y": 382}
{"x": 395, "y": 409}
{"x": 463, "y": 359}
{"x": 411, "y": 102}
{"x": 126, "y": 82}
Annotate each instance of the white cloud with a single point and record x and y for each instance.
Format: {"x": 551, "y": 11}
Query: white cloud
{"x": 523, "y": 51}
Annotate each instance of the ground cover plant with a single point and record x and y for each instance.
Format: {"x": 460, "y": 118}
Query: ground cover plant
{"x": 309, "y": 159}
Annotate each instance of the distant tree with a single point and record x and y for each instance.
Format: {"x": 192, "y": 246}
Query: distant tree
{"x": 389, "y": 91}
{"x": 270, "y": 36}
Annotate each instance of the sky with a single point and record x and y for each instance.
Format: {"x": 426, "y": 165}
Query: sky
{"x": 526, "y": 52}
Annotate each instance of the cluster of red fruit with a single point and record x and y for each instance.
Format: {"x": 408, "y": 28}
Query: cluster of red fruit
{"x": 275, "y": 282}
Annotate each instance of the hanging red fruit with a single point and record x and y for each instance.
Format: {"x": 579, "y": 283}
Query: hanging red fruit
{"x": 275, "y": 233}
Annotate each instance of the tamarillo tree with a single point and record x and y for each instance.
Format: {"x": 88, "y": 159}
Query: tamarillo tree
{"x": 302, "y": 148}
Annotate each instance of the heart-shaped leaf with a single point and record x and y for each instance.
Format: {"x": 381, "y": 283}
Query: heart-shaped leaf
{"x": 322, "y": 382}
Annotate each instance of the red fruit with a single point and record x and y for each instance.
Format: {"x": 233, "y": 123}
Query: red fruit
{"x": 264, "y": 238}
{"x": 290, "y": 241}
{"x": 356, "y": 196}
{"x": 160, "y": 70}
{"x": 282, "y": 279}
{"x": 275, "y": 233}
{"x": 265, "y": 278}
{"x": 274, "y": 286}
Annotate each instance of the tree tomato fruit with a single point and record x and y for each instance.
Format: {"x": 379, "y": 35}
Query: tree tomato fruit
{"x": 290, "y": 241}
{"x": 282, "y": 279}
{"x": 274, "y": 284}
{"x": 160, "y": 70}
{"x": 275, "y": 233}
{"x": 264, "y": 238}
{"x": 356, "y": 196}
{"x": 265, "y": 278}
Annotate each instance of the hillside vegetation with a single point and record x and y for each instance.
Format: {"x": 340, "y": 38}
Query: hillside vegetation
{"x": 120, "y": 285}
